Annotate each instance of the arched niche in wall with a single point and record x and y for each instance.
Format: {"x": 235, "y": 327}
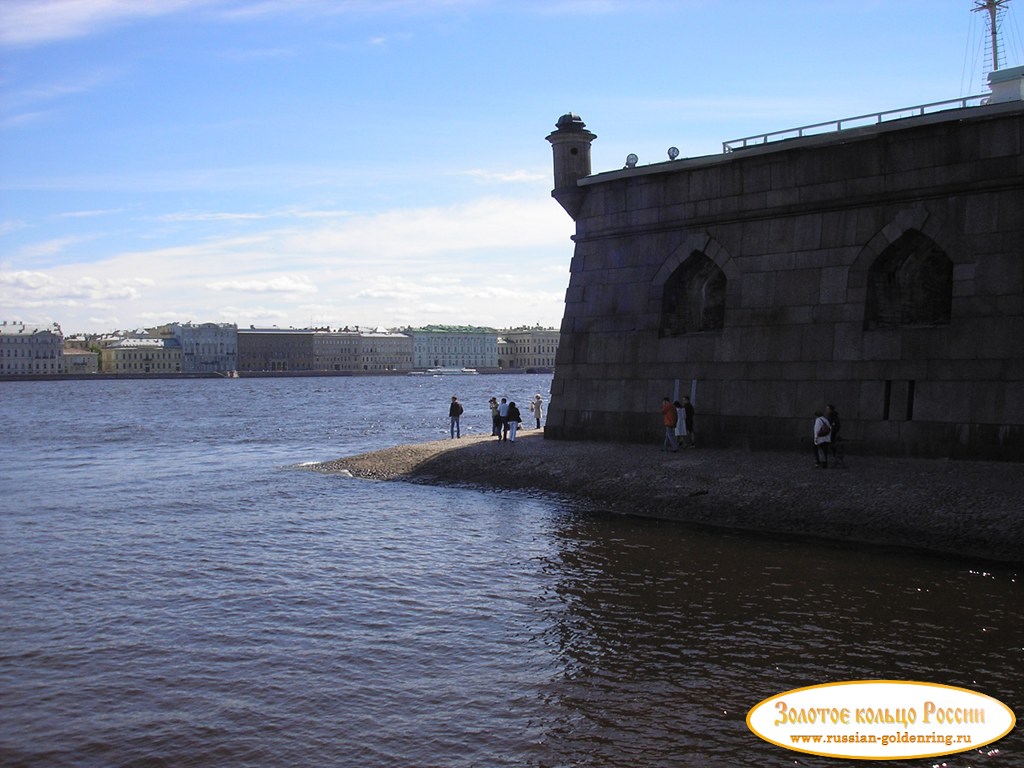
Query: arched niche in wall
{"x": 693, "y": 298}
{"x": 910, "y": 283}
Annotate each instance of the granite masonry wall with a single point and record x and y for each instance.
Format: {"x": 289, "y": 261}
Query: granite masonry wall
{"x": 880, "y": 269}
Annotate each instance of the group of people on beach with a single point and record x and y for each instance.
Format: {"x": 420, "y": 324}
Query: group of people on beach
{"x": 678, "y": 419}
{"x": 505, "y": 417}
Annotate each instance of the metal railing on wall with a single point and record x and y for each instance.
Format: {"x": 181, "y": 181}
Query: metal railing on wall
{"x": 872, "y": 118}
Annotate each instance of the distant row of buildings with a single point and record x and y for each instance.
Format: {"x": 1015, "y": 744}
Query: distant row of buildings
{"x": 224, "y": 348}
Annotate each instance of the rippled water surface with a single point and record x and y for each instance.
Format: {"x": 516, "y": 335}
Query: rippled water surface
{"x": 177, "y": 591}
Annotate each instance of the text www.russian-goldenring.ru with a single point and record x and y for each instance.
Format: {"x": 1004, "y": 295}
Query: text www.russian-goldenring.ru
{"x": 885, "y": 740}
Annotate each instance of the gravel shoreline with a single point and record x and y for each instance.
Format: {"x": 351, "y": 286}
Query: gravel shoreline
{"x": 964, "y": 508}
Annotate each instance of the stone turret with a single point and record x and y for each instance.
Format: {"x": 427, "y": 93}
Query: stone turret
{"x": 570, "y": 145}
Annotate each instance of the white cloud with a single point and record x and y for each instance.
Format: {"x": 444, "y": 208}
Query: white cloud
{"x": 283, "y": 213}
{"x": 47, "y": 248}
{"x": 252, "y": 314}
{"x": 494, "y": 261}
{"x": 506, "y": 177}
{"x": 404, "y": 235}
{"x": 212, "y": 216}
{"x": 104, "y": 321}
{"x": 11, "y": 225}
{"x": 29, "y": 22}
{"x": 91, "y": 214}
{"x": 34, "y": 22}
{"x": 385, "y": 288}
{"x": 34, "y": 288}
{"x": 256, "y": 54}
{"x": 314, "y": 8}
{"x": 29, "y": 281}
{"x": 24, "y": 118}
{"x": 279, "y": 284}
{"x": 31, "y": 105}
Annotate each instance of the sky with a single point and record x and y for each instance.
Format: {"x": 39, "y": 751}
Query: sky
{"x": 383, "y": 163}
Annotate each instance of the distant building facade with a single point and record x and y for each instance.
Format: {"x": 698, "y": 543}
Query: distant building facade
{"x": 141, "y": 356}
{"x": 276, "y": 349}
{"x": 223, "y": 348}
{"x": 206, "y": 347}
{"x": 382, "y": 351}
{"x": 80, "y": 361}
{"x": 337, "y": 351}
{"x": 321, "y": 349}
{"x": 878, "y": 268}
{"x": 78, "y": 341}
{"x": 31, "y": 349}
{"x": 528, "y": 349}
{"x": 452, "y": 347}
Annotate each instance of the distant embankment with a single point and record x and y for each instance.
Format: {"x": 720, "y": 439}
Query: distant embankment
{"x": 221, "y": 375}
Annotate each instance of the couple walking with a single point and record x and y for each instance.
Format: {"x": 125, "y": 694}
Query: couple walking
{"x": 678, "y": 420}
{"x": 826, "y": 437}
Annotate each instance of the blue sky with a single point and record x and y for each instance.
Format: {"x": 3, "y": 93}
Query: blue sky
{"x": 383, "y": 163}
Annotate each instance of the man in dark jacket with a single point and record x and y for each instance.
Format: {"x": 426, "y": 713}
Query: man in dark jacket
{"x": 454, "y": 413}
{"x": 688, "y": 420}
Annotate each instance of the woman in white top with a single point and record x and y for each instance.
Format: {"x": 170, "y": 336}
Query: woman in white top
{"x": 822, "y": 437}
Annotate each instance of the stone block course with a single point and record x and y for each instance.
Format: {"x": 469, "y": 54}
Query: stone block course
{"x": 1010, "y": 305}
{"x": 981, "y": 215}
{"x": 987, "y": 403}
{"x": 758, "y": 290}
{"x": 998, "y": 141}
{"x": 797, "y": 287}
{"x": 833, "y": 285}
{"x": 864, "y": 186}
{"x": 999, "y": 276}
{"x": 782, "y": 198}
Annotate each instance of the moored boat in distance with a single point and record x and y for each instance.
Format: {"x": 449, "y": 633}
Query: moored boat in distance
{"x": 452, "y": 371}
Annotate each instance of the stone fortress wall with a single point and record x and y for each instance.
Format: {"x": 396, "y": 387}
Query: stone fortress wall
{"x": 880, "y": 269}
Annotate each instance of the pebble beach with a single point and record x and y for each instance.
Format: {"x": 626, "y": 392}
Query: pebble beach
{"x": 973, "y": 509}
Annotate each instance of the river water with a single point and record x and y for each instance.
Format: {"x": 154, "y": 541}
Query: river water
{"x": 177, "y": 591}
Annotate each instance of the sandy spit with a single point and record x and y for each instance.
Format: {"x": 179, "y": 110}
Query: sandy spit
{"x": 974, "y": 509}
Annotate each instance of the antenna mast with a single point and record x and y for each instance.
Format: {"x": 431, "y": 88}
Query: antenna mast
{"x": 995, "y": 9}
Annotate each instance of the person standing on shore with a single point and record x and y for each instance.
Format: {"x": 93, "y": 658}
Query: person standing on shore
{"x": 513, "y": 420}
{"x": 833, "y": 419}
{"x": 670, "y": 418}
{"x": 688, "y": 422}
{"x": 454, "y": 416}
{"x": 503, "y": 417}
{"x": 495, "y": 418}
{"x": 822, "y": 438}
{"x": 537, "y": 408}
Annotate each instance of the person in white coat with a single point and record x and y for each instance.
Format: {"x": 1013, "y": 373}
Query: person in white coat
{"x": 822, "y": 438}
{"x": 537, "y": 408}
